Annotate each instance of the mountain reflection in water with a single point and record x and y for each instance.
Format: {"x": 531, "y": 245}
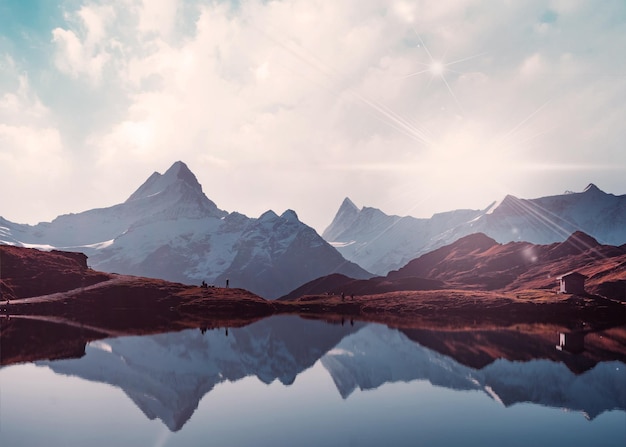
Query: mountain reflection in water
{"x": 167, "y": 375}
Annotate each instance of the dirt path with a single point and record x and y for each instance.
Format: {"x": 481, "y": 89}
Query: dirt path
{"x": 59, "y": 296}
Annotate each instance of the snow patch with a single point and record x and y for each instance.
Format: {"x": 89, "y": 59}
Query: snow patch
{"x": 44, "y": 247}
{"x": 339, "y": 351}
{"x": 491, "y": 208}
{"x": 100, "y": 245}
{"x": 341, "y": 244}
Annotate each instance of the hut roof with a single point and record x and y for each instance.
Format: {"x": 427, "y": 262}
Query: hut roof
{"x": 572, "y": 275}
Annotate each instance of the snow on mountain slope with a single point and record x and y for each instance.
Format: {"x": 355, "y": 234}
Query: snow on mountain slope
{"x": 284, "y": 251}
{"x": 169, "y": 229}
{"x": 380, "y": 243}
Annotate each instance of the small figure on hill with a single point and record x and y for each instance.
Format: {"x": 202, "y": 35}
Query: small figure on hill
{"x": 204, "y": 285}
{"x": 343, "y": 296}
{"x": 227, "y": 283}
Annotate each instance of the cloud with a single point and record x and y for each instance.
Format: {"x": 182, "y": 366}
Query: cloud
{"x": 32, "y": 155}
{"x": 333, "y": 98}
{"x": 85, "y": 50}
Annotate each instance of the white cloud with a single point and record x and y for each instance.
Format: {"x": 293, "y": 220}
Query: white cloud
{"x": 338, "y": 98}
{"x": 532, "y": 66}
{"x": 158, "y": 16}
{"x": 32, "y": 156}
{"x": 85, "y": 50}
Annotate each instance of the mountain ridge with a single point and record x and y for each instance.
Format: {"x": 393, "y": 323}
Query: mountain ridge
{"x": 169, "y": 229}
{"x": 389, "y": 242}
{"x": 478, "y": 262}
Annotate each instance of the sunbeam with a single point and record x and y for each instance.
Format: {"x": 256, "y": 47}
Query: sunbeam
{"x": 546, "y": 218}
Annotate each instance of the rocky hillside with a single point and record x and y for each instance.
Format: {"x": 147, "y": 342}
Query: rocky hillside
{"x": 27, "y": 272}
{"x": 478, "y": 262}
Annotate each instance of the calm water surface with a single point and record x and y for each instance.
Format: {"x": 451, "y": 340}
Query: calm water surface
{"x": 289, "y": 381}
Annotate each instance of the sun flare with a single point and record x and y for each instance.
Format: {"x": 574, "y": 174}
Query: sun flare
{"x": 437, "y": 68}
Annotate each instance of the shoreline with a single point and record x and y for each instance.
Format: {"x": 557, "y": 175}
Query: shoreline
{"x": 123, "y": 302}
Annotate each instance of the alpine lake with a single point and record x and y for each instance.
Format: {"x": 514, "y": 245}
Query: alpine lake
{"x": 289, "y": 381}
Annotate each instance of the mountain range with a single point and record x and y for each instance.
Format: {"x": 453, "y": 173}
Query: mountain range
{"x": 169, "y": 229}
{"x": 380, "y": 243}
{"x": 477, "y": 262}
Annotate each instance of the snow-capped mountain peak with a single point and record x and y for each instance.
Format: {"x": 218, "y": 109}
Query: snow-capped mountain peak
{"x": 384, "y": 242}
{"x": 157, "y": 183}
{"x": 169, "y": 229}
{"x": 345, "y": 217}
{"x": 174, "y": 194}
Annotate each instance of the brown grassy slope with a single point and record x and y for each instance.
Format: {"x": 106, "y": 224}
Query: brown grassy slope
{"x": 26, "y": 272}
{"x": 477, "y": 262}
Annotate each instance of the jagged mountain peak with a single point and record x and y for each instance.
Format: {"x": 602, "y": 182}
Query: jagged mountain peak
{"x": 182, "y": 172}
{"x": 177, "y": 174}
{"x": 268, "y": 216}
{"x": 290, "y": 215}
{"x": 348, "y": 206}
{"x": 592, "y": 188}
{"x": 509, "y": 200}
{"x": 345, "y": 217}
{"x": 174, "y": 194}
{"x": 510, "y": 205}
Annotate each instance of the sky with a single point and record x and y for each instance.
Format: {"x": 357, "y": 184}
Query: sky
{"x": 412, "y": 107}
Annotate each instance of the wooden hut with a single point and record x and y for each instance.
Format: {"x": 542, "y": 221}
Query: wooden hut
{"x": 572, "y": 282}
